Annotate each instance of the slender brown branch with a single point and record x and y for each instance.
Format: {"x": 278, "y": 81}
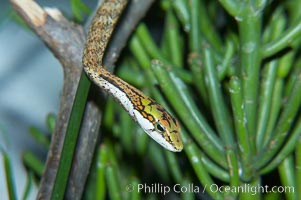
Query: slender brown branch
{"x": 135, "y": 11}
{"x": 83, "y": 156}
{"x": 66, "y": 39}
{"x": 127, "y": 23}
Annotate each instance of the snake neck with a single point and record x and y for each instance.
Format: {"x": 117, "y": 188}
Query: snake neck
{"x": 100, "y": 32}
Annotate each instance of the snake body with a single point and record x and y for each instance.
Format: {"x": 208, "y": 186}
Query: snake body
{"x": 151, "y": 116}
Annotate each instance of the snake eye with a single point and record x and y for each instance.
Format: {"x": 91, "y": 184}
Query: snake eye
{"x": 159, "y": 127}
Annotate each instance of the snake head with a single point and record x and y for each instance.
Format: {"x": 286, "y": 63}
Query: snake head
{"x": 169, "y": 130}
{"x": 159, "y": 125}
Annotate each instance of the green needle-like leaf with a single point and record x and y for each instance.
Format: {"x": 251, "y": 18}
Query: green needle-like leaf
{"x": 10, "y": 182}
{"x": 33, "y": 163}
{"x": 287, "y": 176}
{"x": 114, "y": 188}
{"x": 283, "y": 41}
{"x": 290, "y": 110}
{"x": 71, "y": 138}
{"x": 102, "y": 156}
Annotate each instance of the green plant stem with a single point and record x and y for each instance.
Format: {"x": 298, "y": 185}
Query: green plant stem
{"x": 143, "y": 44}
{"x": 294, "y": 75}
{"x": 195, "y": 47}
{"x": 195, "y": 33}
{"x": 250, "y": 39}
{"x": 129, "y": 75}
{"x": 173, "y": 39}
{"x": 174, "y": 166}
{"x": 194, "y": 39}
{"x": 281, "y": 130}
{"x": 147, "y": 42}
{"x": 293, "y": 7}
{"x": 251, "y": 195}
{"x": 286, "y": 150}
{"x": 28, "y": 186}
{"x": 39, "y": 137}
{"x": 224, "y": 67}
{"x": 140, "y": 53}
{"x": 187, "y": 195}
{"x": 287, "y": 176}
{"x": 142, "y": 141}
{"x": 126, "y": 131}
{"x": 220, "y": 113}
{"x": 156, "y": 156}
{"x": 259, "y": 4}
{"x": 233, "y": 170}
{"x": 206, "y": 25}
{"x": 210, "y": 166}
{"x": 78, "y": 8}
{"x": 286, "y": 64}
{"x": 195, "y": 63}
{"x": 71, "y": 138}
{"x": 101, "y": 160}
{"x": 33, "y": 163}
{"x": 241, "y": 131}
{"x": 182, "y": 11}
{"x": 137, "y": 48}
{"x": 112, "y": 160}
{"x": 275, "y": 109}
{"x": 221, "y": 116}
{"x": 283, "y": 41}
{"x": 10, "y": 184}
{"x": 185, "y": 75}
{"x": 234, "y": 7}
{"x": 113, "y": 183}
{"x": 275, "y": 26}
{"x": 214, "y": 169}
{"x": 265, "y": 102}
{"x": 193, "y": 153}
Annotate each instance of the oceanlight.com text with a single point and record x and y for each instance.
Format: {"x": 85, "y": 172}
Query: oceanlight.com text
{"x": 159, "y": 188}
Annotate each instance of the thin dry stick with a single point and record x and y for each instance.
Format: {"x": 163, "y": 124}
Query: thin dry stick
{"x": 135, "y": 11}
{"x": 66, "y": 40}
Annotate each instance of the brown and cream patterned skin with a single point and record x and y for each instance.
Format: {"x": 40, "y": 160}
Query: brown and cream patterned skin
{"x": 151, "y": 116}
